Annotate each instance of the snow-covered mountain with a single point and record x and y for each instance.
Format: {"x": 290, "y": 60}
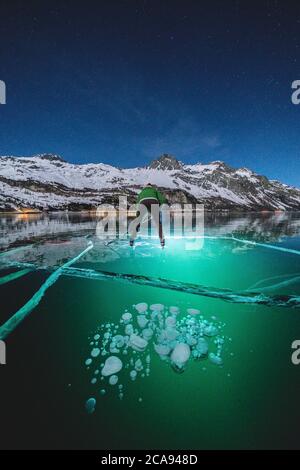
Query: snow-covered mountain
{"x": 47, "y": 182}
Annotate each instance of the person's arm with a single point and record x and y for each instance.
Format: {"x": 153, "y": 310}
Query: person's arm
{"x": 140, "y": 196}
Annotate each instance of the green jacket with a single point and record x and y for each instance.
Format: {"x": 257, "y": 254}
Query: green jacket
{"x": 151, "y": 193}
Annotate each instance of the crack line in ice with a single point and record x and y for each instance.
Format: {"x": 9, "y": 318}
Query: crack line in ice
{"x": 19, "y": 264}
{"x": 251, "y": 242}
{"x": 279, "y": 285}
{"x": 281, "y": 276}
{"x": 14, "y": 250}
{"x": 13, "y": 276}
{"x": 266, "y": 245}
{"x": 19, "y": 316}
{"x": 196, "y": 289}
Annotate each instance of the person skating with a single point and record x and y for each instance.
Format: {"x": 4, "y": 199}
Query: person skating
{"x": 149, "y": 196}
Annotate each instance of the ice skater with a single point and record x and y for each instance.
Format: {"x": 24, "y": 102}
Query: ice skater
{"x": 148, "y": 197}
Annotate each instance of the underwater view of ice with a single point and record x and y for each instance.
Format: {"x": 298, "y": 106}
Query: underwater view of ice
{"x": 136, "y": 336}
{"x": 23, "y": 258}
{"x": 58, "y": 257}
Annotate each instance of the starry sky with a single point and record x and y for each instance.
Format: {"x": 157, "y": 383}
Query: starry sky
{"x": 123, "y": 81}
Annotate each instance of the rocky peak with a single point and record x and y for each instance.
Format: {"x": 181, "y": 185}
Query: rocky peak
{"x": 165, "y": 162}
{"x": 222, "y": 165}
{"x": 51, "y": 157}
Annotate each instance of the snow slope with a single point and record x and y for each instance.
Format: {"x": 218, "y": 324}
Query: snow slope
{"x": 47, "y": 182}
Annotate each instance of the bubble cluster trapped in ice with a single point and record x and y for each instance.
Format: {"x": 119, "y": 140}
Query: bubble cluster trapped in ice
{"x": 124, "y": 350}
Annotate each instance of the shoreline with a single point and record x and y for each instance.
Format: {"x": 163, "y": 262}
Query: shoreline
{"x": 94, "y": 212}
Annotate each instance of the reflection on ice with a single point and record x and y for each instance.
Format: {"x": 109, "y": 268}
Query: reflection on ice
{"x": 15, "y": 229}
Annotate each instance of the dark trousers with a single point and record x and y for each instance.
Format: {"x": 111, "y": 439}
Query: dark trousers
{"x": 156, "y": 217}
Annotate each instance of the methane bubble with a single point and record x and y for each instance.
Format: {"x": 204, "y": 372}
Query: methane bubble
{"x": 112, "y": 366}
{"x": 90, "y": 405}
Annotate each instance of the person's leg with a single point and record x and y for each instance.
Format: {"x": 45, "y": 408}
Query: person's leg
{"x": 135, "y": 225}
{"x": 133, "y": 233}
{"x": 160, "y": 230}
{"x": 155, "y": 214}
{"x": 161, "y": 234}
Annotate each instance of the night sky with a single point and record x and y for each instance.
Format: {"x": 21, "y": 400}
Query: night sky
{"x": 122, "y": 82}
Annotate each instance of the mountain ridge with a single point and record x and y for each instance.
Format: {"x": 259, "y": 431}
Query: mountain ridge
{"x": 48, "y": 182}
